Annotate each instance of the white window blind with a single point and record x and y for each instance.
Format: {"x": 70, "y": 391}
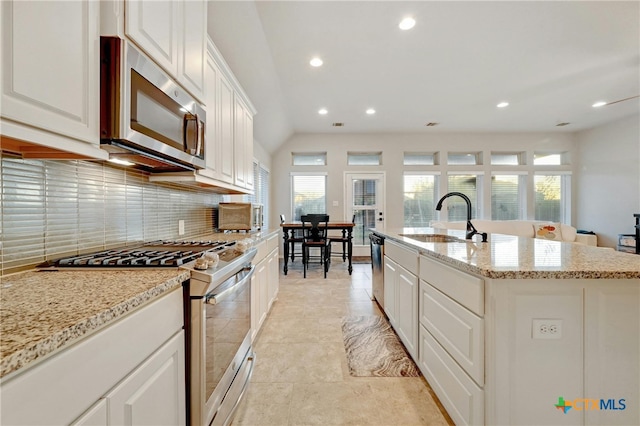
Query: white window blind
{"x": 364, "y": 158}
{"x": 508, "y": 196}
{"x": 420, "y": 198}
{"x": 469, "y": 185}
{"x": 308, "y": 194}
{"x": 552, "y": 197}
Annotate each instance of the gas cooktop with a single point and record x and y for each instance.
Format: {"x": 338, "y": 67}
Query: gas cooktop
{"x": 167, "y": 254}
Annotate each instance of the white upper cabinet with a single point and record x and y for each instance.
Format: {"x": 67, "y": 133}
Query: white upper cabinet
{"x": 153, "y": 26}
{"x": 173, "y": 33}
{"x": 192, "y": 59}
{"x": 50, "y": 74}
{"x": 229, "y": 131}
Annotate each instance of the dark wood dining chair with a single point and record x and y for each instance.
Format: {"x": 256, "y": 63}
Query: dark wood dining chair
{"x": 341, "y": 239}
{"x": 314, "y": 231}
{"x": 295, "y": 236}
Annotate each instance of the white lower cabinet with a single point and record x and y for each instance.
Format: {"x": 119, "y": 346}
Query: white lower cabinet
{"x": 97, "y": 415}
{"x": 264, "y": 283}
{"x": 153, "y": 394}
{"x": 401, "y": 293}
{"x": 452, "y": 352}
{"x": 130, "y": 372}
{"x": 460, "y": 395}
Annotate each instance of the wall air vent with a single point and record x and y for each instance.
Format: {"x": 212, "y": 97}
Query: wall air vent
{"x": 338, "y": 124}
{"x": 562, "y": 124}
{"x": 431, "y": 124}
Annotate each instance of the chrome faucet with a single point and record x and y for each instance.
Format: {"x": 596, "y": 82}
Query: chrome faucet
{"x": 471, "y": 230}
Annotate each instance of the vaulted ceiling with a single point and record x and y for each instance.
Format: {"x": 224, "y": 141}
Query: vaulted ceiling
{"x": 550, "y": 60}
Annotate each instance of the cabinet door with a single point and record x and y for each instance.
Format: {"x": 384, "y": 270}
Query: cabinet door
{"x": 194, "y": 42}
{"x": 153, "y": 26}
{"x": 248, "y": 148}
{"x": 94, "y": 416}
{"x": 263, "y": 274}
{"x": 390, "y": 284}
{"x": 226, "y": 106}
{"x": 407, "y": 310}
{"x": 154, "y": 394}
{"x": 239, "y": 144}
{"x": 50, "y": 72}
{"x": 212, "y": 128}
{"x": 274, "y": 276}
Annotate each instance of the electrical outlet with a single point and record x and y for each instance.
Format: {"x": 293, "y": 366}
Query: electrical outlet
{"x": 546, "y": 328}
{"x": 181, "y": 227}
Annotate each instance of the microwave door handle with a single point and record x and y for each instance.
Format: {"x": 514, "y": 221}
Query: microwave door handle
{"x": 185, "y": 122}
{"x": 199, "y": 137}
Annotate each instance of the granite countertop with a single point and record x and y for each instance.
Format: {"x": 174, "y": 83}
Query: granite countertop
{"x": 42, "y": 312}
{"x": 513, "y": 257}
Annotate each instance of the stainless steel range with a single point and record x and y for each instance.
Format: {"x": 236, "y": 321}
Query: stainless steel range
{"x": 217, "y": 315}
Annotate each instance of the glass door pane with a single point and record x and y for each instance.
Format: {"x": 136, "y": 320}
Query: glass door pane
{"x": 365, "y": 195}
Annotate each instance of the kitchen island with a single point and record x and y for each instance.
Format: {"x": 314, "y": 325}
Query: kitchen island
{"x": 518, "y": 330}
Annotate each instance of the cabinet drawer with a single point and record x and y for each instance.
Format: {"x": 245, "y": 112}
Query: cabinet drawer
{"x": 463, "y": 399}
{"x": 463, "y": 288}
{"x": 403, "y": 256}
{"x": 459, "y": 331}
{"x": 272, "y": 242}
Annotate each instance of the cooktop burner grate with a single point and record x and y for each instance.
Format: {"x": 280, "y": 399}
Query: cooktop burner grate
{"x": 153, "y": 254}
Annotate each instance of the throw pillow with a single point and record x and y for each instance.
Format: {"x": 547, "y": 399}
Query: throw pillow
{"x": 548, "y": 231}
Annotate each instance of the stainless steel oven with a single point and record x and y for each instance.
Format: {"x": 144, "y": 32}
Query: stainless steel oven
{"x": 219, "y": 331}
{"x": 146, "y": 118}
{"x": 217, "y": 310}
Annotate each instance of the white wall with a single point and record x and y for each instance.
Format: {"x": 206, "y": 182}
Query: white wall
{"x": 393, "y": 147}
{"x": 608, "y": 179}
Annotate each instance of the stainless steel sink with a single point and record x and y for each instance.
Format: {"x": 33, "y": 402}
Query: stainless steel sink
{"x": 433, "y": 238}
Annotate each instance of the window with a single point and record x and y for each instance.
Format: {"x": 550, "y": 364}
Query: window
{"x": 508, "y": 196}
{"x": 468, "y": 184}
{"x": 364, "y": 158}
{"x": 261, "y": 193}
{"x": 420, "y": 198}
{"x": 309, "y": 158}
{"x": 507, "y": 158}
{"x": 552, "y": 197}
{"x": 464, "y": 158}
{"x": 308, "y": 194}
{"x": 420, "y": 158}
{"x": 550, "y": 158}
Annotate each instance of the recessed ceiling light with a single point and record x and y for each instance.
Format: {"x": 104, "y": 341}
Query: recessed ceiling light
{"x": 371, "y": 111}
{"x": 323, "y": 111}
{"x": 407, "y": 23}
{"x": 599, "y": 104}
{"x": 316, "y": 62}
{"x": 503, "y": 104}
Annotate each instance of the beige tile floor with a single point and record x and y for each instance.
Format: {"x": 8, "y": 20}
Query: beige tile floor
{"x": 301, "y": 375}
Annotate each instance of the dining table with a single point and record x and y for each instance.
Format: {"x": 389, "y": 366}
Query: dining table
{"x": 289, "y": 229}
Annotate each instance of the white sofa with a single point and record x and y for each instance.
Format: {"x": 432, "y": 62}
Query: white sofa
{"x": 522, "y": 228}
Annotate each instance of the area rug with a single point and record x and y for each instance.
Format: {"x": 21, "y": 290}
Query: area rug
{"x": 373, "y": 349}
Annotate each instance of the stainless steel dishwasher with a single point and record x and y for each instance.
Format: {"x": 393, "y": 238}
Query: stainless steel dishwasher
{"x": 377, "y": 258}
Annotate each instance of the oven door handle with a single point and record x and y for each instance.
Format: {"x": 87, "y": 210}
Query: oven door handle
{"x": 215, "y": 298}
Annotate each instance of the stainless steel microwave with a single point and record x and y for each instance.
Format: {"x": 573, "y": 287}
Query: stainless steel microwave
{"x": 146, "y": 118}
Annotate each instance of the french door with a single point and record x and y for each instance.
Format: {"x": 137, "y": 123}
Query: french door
{"x": 364, "y": 198}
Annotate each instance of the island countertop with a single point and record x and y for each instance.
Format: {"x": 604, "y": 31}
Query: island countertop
{"x": 513, "y": 257}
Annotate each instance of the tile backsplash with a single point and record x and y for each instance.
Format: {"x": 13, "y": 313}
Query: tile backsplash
{"x": 53, "y": 208}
